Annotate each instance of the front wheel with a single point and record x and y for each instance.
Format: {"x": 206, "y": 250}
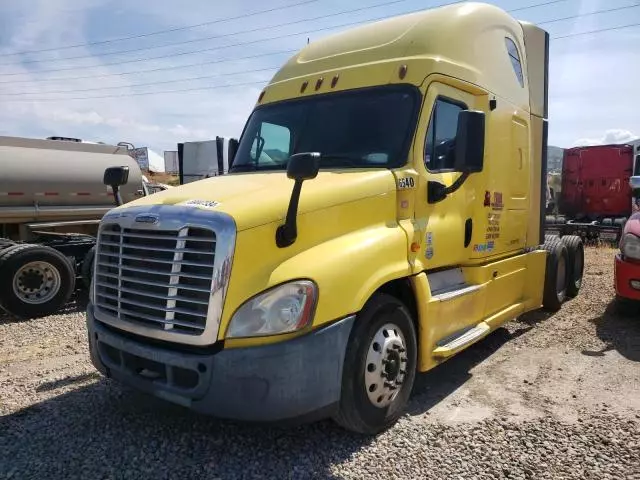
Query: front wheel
{"x": 379, "y": 368}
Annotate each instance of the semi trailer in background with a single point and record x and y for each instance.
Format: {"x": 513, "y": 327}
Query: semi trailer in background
{"x": 52, "y": 198}
{"x": 595, "y": 198}
{"x": 205, "y": 159}
{"x": 171, "y": 164}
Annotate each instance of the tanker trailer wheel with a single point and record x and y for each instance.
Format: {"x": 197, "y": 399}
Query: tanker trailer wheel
{"x": 575, "y": 263}
{"x": 555, "y": 276}
{"x": 5, "y": 243}
{"x": 35, "y": 280}
{"x": 379, "y": 367}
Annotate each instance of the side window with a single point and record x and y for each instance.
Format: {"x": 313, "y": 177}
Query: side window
{"x": 440, "y": 144}
{"x": 272, "y": 144}
{"x": 515, "y": 60}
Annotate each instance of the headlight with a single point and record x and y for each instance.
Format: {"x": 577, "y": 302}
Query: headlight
{"x": 286, "y": 308}
{"x": 631, "y": 246}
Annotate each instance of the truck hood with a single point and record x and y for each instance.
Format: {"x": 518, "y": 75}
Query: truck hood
{"x": 633, "y": 224}
{"x": 254, "y": 199}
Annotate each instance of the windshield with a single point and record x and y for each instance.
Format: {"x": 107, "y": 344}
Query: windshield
{"x": 366, "y": 128}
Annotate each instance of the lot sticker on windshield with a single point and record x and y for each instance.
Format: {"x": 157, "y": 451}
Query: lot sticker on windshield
{"x": 201, "y": 203}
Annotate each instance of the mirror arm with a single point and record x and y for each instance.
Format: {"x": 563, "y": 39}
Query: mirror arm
{"x": 116, "y": 195}
{"x": 457, "y": 184}
{"x": 287, "y": 233}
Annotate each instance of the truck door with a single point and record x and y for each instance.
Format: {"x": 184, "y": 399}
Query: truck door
{"x": 449, "y": 225}
{"x": 487, "y": 215}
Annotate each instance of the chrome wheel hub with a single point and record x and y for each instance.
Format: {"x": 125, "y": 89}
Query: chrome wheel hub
{"x": 36, "y": 282}
{"x": 385, "y": 368}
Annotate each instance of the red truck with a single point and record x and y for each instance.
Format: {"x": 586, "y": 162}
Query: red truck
{"x": 627, "y": 261}
{"x": 596, "y": 195}
{"x": 627, "y": 267}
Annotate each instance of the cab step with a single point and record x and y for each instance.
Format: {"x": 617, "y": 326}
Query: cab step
{"x": 459, "y": 341}
{"x": 449, "y": 284}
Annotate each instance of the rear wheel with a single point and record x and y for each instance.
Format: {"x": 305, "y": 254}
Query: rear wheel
{"x": 575, "y": 263}
{"x": 379, "y": 367}
{"x": 35, "y": 280}
{"x": 555, "y": 281}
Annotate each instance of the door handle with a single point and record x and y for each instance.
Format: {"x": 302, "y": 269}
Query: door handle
{"x": 468, "y": 232}
{"x": 521, "y": 162}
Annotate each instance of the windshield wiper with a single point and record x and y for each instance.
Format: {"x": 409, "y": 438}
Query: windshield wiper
{"x": 341, "y": 159}
{"x": 351, "y": 160}
{"x": 243, "y": 167}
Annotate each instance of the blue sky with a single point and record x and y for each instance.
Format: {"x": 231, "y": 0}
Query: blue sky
{"x": 593, "y": 97}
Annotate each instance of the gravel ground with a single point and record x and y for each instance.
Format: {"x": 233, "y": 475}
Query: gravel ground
{"x": 546, "y": 397}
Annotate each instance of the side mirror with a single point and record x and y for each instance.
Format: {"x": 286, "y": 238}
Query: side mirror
{"x": 232, "y": 150}
{"x": 115, "y": 177}
{"x": 470, "y": 142}
{"x": 303, "y": 166}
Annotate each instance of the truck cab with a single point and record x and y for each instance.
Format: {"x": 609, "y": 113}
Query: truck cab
{"x": 384, "y": 211}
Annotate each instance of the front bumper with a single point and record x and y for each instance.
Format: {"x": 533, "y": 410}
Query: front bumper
{"x": 625, "y": 272}
{"x": 281, "y": 381}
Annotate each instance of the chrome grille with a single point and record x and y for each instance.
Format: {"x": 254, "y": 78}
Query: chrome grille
{"x": 158, "y": 278}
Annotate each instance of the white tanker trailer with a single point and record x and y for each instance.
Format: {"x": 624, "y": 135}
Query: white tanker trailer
{"x": 52, "y": 197}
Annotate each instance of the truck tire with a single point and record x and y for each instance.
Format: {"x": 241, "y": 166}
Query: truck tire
{"x": 379, "y": 367}
{"x": 555, "y": 277}
{"x": 575, "y": 263}
{"x": 35, "y": 280}
{"x": 550, "y": 220}
{"x": 5, "y": 243}
{"x": 607, "y": 222}
{"x": 86, "y": 270}
{"x": 561, "y": 219}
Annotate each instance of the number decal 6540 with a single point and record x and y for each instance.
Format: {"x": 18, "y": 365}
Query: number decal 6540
{"x": 406, "y": 182}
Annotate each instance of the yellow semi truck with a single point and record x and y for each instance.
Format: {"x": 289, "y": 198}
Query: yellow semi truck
{"x": 383, "y": 212}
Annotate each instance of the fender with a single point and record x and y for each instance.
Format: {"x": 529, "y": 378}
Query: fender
{"x": 346, "y": 268}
